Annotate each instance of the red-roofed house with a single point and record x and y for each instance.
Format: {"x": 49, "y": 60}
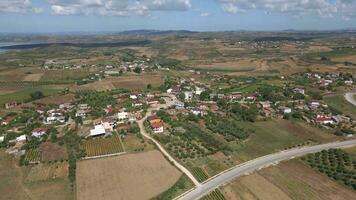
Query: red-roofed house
{"x": 39, "y": 132}
{"x": 157, "y": 127}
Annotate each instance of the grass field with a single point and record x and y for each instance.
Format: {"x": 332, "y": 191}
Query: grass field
{"x": 134, "y": 144}
{"x": 24, "y": 94}
{"x": 102, "y": 146}
{"x": 267, "y": 137}
{"x": 139, "y": 176}
{"x": 288, "y": 180}
{"x": 340, "y": 104}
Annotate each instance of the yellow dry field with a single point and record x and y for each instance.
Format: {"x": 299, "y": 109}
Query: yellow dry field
{"x": 139, "y": 176}
{"x": 33, "y": 77}
{"x": 288, "y": 180}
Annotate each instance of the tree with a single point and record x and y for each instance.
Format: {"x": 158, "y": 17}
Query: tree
{"x": 137, "y": 70}
{"x": 37, "y": 95}
{"x": 149, "y": 86}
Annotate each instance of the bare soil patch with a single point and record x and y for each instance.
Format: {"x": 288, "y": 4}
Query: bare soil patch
{"x": 128, "y": 177}
{"x": 52, "y": 152}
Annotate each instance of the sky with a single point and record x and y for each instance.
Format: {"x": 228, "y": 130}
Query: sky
{"x": 58, "y": 16}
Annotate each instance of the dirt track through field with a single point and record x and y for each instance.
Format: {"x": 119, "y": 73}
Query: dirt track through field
{"x": 128, "y": 177}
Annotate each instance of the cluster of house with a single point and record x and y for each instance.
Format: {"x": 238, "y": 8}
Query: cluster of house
{"x": 325, "y": 80}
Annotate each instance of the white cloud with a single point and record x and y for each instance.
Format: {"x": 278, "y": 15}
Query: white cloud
{"x": 18, "y": 6}
{"x": 204, "y": 14}
{"x": 230, "y": 8}
{"x": 323, "y": 8}
{"x": 116, "y": 7}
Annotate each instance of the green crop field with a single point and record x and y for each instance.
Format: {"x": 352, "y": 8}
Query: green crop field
{"x": 199, "y": 174}
{"x": 103, "y": 146}
{"x": 340, "y": 104}
{"x": 33, "y": 156}
{"x": 214, "y": 195}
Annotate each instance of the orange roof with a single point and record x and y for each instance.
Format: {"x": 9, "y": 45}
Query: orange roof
{"x": 157, "y": 125}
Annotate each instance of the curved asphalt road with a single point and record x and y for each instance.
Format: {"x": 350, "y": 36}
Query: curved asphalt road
{"x": 257, "y": 164}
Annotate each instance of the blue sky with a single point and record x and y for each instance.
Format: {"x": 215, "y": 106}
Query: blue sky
{"x": 198, "y": 15}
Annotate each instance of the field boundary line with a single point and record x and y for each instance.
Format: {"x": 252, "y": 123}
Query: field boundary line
{"x": 103, "y": 156}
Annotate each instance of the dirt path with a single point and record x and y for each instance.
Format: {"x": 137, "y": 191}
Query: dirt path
{"x": 169, "y": 102}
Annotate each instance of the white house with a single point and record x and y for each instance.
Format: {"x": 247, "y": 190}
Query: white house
{"x": 81, "y": 113}
{"x": 2, "y": 138}
{"x": 122, "y": 116}
{"x": 21, "y": 138}
{"x": 198, "y": 90}
{"x": 97, "y": 131}
{"x": 285, "y": 110}
{"x": 188, "y": 96}
{"x": 133, "y": 96}
{"x": 299, "y": 90}
{"x": 39, "y": 132}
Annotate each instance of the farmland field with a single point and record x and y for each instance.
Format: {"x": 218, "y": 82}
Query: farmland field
{"x": 138, "y": 176}
{"x": 14, "y": 183}
{"x": 267, "y": 137}
{"x": 102, "y": 146}
{"x": 42, "y": 172}
{"x": 199, "y": 174}
{"x": 214, "y": 195}
{"x": 288, "y": 180}
{"x": 33, "y": 156}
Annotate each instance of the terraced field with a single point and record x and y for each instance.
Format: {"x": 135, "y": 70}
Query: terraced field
{"x": 102, "y": 146}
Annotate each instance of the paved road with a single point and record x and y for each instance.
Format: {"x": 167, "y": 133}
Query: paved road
{"x": 256, "y": 164}
{"x": 169, "y": 102}
{"x": 350, "y": 97}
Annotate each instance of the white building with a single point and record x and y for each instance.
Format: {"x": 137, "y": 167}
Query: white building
{"x": 198, "y": 90}
{"x": 39, "y": 132}
{"x": 188, "y": 96}
{"x": 285, "y": 110}
{"x": 21, "y": 138}
{"x": 2, "y": 138}
{"x": 97, "y": 131}
{"x": 122, "y": 116}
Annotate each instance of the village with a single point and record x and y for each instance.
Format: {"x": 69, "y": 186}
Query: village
{"x": 111, "y": 114}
